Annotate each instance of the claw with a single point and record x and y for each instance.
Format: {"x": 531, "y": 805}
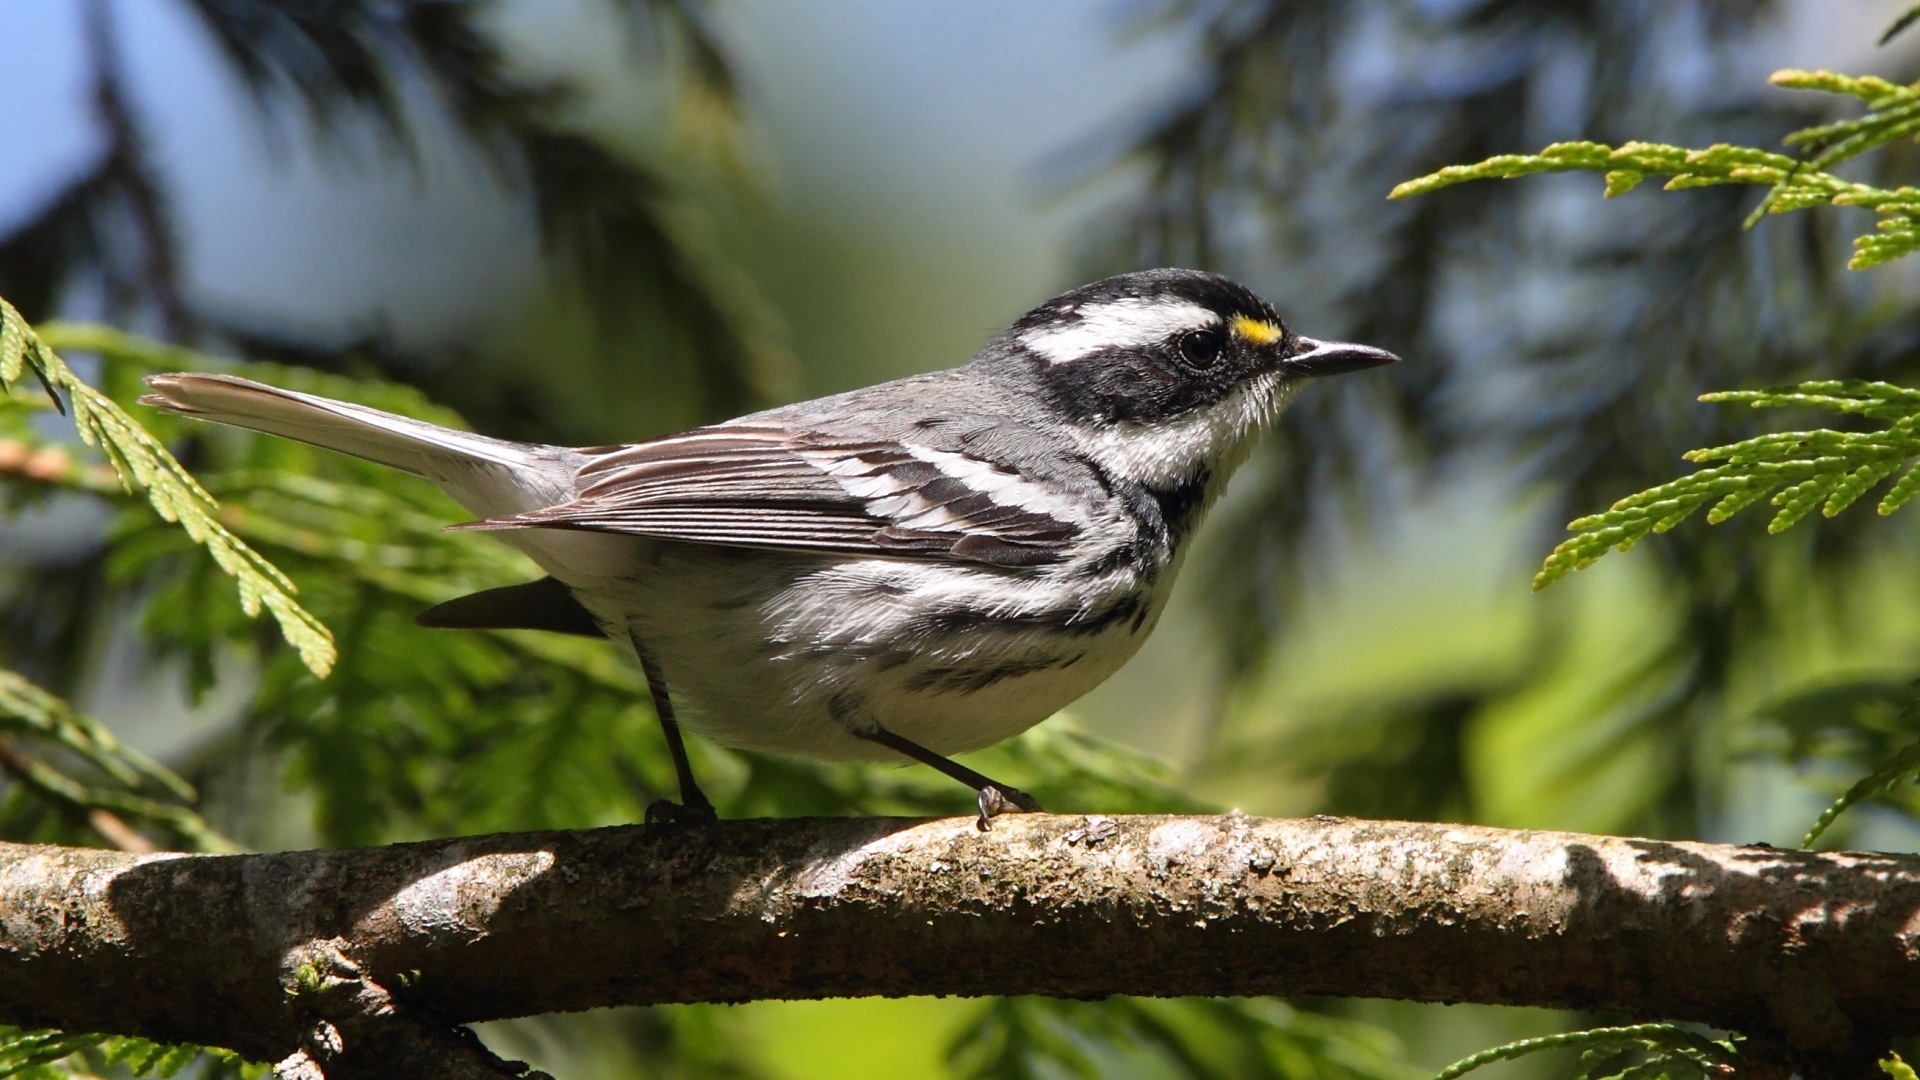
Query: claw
{"x": 996, "y": 799}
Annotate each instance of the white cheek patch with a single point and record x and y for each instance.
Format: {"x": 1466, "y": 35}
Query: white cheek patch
{"x": 1218, "y": 436}
{"x": 1130, "y": 323}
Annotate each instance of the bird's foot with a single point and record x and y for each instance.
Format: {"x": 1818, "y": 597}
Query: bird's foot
{"x": 691, "y": 812}
{"x": 1000, "y": 799}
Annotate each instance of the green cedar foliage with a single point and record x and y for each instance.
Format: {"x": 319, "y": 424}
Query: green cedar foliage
{"x": 140, "y": 461}
{"x": 1633, "y": 1052}
{"x": 1801, "y": 470}
{"x": 53, "y": 1055}
{"x": 1797, "y": 471}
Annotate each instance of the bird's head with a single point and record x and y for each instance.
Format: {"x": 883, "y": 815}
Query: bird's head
{"x": 1164, "y": 373}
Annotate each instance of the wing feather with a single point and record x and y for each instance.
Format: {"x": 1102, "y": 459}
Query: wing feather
{"x": 765, "y": 486}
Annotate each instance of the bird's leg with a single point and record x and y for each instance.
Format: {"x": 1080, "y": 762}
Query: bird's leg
{"x": 693, "y": 804}
{"x": 995, "y": 797}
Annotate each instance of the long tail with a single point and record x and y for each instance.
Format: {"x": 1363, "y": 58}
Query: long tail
{"x": 487, "y": 476}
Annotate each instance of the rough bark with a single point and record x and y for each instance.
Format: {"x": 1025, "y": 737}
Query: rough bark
{"x": 317, "y": 953}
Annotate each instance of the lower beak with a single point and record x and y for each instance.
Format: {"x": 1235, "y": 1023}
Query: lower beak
{"x": 1310, "y": 359}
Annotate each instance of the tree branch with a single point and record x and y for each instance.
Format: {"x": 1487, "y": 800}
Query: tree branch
{"x": 1812, "y": 952}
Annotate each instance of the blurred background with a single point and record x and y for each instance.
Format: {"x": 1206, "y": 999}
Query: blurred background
{"x": 584, "y": 221}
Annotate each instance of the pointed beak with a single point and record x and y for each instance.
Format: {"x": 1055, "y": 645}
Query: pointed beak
{"x": 1308, "y": 358}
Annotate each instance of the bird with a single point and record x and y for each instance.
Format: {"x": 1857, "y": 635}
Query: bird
{"x": 906, "y": 571}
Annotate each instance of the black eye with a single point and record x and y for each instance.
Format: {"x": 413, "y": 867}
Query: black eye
{"x": 1200, "y": 347}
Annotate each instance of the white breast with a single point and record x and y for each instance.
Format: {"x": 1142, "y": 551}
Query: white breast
{"x": 782, "y": 652}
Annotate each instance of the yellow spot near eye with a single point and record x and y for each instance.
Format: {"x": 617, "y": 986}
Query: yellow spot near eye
{"x": 1257, "y": 331}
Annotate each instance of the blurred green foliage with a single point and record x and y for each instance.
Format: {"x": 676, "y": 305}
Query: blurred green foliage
{"x": 1038, "y": 1038}
{"x": 141, "y": 462}
{"x": 50, "y": 1055}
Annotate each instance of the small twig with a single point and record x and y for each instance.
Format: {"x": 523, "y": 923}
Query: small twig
{"x": 118, "y": 833}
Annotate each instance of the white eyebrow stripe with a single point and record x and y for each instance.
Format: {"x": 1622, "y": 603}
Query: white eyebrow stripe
{"x": 1128, "y": 323}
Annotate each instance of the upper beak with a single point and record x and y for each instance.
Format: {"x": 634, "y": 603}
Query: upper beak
{"x": 1310, "y": 359}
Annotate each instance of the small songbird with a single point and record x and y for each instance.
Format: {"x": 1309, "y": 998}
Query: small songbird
{"x": 918, "y": 568}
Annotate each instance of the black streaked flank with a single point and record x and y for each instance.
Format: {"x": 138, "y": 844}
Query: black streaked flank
{"x": 951, "y": 622}
{"x": 966, "y": 678}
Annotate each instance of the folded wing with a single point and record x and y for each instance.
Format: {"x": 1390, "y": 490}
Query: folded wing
{"x": 765, "y": 486}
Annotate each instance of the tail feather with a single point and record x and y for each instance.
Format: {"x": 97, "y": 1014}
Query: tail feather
{"x": 488, "y": 476}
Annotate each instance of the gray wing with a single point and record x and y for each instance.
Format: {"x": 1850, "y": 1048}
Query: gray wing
{"x": 762, "y": 485}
